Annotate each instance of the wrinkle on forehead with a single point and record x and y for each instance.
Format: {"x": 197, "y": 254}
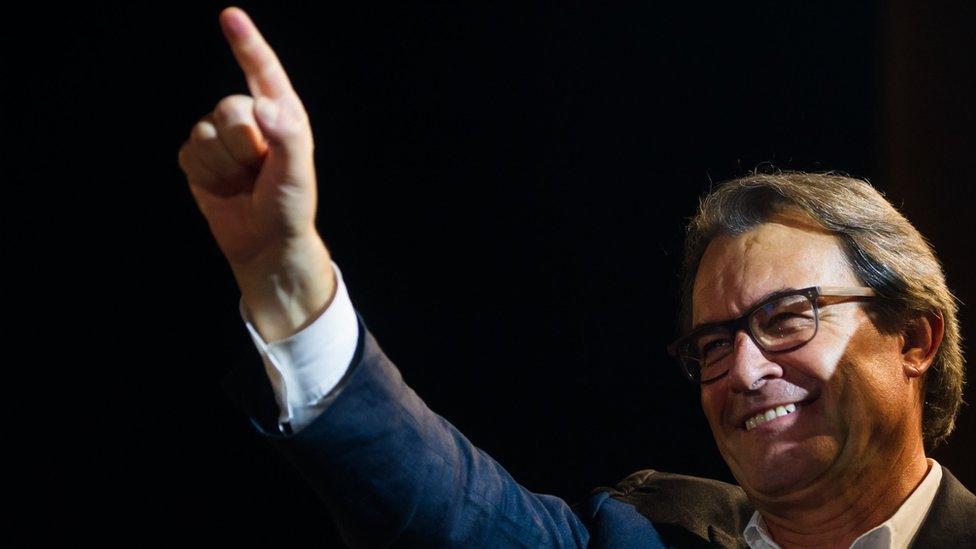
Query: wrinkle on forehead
{"x": 788, "y": 251}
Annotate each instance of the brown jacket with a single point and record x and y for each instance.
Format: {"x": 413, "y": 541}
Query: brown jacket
{"x": 696, "y": 512}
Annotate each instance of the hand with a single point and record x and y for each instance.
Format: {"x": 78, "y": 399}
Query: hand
{"x": 249, "y": 162}
{"x": 250, "y": 168}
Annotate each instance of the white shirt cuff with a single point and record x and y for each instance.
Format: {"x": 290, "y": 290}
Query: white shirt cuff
{"x": 306, "y": 366}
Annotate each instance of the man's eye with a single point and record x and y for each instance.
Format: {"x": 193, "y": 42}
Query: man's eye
{"x": 713, "y": 350}
{"x": 788, "y": 322}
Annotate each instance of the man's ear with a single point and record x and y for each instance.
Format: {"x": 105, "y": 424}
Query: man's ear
{"x": 923, "y": 335}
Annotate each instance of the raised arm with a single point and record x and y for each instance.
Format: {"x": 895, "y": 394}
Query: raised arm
{"x": 389, "y": 469}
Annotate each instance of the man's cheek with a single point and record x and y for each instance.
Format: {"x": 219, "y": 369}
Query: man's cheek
{"x": 712, "y": 406}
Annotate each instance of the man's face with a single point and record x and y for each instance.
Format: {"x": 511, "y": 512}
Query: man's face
{"x": 854, "y": 406}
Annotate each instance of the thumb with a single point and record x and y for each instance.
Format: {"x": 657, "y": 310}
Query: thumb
{"x": 285, "y": 126}
{"x": 266, "y": 112}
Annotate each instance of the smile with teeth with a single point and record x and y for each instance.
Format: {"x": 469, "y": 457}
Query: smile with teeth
{"x": 769, "y": 414}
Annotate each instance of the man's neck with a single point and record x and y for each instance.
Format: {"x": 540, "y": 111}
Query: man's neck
{"x": 838, "y": 520}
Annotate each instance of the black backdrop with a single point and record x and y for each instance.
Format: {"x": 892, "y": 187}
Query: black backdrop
{"x": 504, "y": 190}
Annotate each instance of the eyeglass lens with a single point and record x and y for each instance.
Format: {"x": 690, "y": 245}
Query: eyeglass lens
{"x": 779, "y": 325}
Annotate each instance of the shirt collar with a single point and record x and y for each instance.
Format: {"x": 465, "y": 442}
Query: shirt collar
{"x": 897, "y": 531}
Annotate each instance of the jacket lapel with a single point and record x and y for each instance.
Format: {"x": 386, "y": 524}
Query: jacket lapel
{"x": 951, "y": 520}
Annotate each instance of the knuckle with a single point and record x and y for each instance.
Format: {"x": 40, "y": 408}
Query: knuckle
{"x": 232, "y": 107}
{"x": 296, "y": 117}
{"x": 202, "y": 131}
{"x": 270, "y": 71}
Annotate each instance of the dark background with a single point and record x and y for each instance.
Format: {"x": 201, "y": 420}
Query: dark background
{"x": 504, "y": 190}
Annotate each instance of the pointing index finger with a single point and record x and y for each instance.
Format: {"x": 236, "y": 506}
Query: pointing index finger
{"x": 264, "y": 73}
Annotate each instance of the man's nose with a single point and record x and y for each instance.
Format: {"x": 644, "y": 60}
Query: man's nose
{"x": 750, "y": 368}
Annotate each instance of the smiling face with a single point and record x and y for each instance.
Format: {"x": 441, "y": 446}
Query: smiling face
{"x": 855, "y": 409}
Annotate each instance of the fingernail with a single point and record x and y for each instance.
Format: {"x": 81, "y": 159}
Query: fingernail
{"x": 266, "y": 110}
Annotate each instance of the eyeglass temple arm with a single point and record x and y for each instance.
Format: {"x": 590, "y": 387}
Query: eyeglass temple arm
{"x": 842, "y": 291}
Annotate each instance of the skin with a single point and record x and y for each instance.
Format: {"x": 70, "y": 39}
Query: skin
{"x": 249, "y": 165}
{"x": 853, "y": 451}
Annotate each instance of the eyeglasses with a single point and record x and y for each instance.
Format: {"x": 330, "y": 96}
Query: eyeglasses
{"x": 783, "y": 322}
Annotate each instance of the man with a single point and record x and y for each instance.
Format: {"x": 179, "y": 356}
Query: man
{"x": 816, "y": 319}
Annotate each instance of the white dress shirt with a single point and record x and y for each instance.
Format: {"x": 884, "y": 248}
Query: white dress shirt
{"x": 306, "y": 366}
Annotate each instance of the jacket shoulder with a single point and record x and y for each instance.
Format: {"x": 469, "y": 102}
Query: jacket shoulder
{"x": 709, "y": 509}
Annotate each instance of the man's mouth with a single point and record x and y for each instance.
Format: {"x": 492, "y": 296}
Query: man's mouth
{"x": 769, "y": 414}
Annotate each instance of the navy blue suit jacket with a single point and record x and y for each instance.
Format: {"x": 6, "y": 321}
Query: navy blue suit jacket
{"x": 391, "y": 471}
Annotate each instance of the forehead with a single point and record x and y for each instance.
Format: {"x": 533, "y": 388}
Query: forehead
{"x": 788, "y": 251}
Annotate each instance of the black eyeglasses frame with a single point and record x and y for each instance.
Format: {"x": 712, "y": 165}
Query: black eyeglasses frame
{"x": 813, "y": 293}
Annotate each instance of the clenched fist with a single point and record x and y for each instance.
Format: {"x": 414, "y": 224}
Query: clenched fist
{"x": 250, "y": 167}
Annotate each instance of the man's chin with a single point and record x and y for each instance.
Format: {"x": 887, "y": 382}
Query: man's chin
{"x": 776, "y": 483}
{"x": 782, "y": 469}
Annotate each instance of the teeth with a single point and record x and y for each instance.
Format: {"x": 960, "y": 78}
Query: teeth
{"x": 772, "y": 413}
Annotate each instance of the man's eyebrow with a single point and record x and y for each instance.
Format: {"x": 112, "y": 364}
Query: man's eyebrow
{"x": 768, "y": 295}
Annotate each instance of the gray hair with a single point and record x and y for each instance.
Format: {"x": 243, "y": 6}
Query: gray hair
{"x": 884, "y": 250}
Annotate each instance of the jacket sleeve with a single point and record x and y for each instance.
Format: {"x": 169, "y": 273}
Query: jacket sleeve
{"x": 390, "y": 470}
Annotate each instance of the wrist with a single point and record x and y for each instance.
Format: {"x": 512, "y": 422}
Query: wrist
{"x": 289, "y": 286}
